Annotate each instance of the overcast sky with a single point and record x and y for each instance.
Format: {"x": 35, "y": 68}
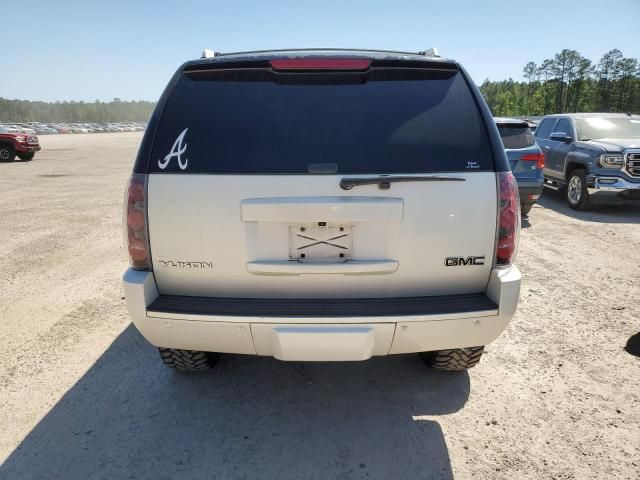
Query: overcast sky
{"x": 87, "y": 50}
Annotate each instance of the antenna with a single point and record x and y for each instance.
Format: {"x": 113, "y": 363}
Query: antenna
{"x": 432, "y": 52}
{"x": 207, "y": 53}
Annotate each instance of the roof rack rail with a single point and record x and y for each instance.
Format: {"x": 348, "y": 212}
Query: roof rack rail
{"x": 432, "y": 52}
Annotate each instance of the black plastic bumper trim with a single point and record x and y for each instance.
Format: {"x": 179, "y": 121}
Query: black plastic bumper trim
{"x": 321, "y": 307}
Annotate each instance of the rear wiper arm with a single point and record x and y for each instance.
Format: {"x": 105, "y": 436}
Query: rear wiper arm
{"x": 384, "y": 181}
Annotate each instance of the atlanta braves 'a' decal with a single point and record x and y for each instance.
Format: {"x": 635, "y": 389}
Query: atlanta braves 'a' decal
{"x": 176, "y": 151}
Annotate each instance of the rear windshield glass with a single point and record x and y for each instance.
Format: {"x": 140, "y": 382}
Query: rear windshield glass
{"x": 516, "y": 137}
{"x": 251, "y": 123}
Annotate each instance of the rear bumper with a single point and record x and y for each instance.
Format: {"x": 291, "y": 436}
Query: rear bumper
{"x": 530, "y": 193}
{"x": 322, "y": 330}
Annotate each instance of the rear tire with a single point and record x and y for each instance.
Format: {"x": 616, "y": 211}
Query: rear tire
{"x": 525, "y": 208}
{"x": 7, "y": 153}
{"x": 188, "y": 360}
{"x": 26, "y": 157}
{"x": 455, "y": 359}
{"x": 576, "y": 191}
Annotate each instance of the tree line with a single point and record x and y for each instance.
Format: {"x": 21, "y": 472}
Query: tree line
{"x": 568, "y": 82}
{"x": 75, "y": 112}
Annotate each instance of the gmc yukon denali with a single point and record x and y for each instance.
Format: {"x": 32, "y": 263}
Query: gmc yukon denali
{"x": 321, "y": 205}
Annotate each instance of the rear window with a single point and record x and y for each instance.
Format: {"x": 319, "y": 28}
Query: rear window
{"x": 515, "y": 136}
{"x": 258, "y": 122}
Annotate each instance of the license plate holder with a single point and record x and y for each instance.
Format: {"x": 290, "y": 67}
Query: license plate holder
{"x": 320, "y": 242}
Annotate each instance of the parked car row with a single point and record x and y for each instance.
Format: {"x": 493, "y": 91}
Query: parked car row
{"x": 33, "y": 128}
{"x": 592, "y": 157}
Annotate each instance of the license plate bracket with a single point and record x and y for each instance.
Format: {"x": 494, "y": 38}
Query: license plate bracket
{"x": 320, "y": 242}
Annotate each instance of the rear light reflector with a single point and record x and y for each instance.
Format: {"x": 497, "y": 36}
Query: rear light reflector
{"x": 137, "y": 237}
{"x": 321, "y": 64}
{"x": 508, "y": 219}
{"x": 534, "y": 157}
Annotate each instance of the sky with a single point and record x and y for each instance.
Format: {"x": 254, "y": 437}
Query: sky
{"x": 88, "y": 50}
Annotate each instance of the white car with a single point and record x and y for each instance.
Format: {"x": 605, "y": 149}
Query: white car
{"x": 44, "y": 130}
{"x": 322, "y": 206}
{"x": 27, "y": 130}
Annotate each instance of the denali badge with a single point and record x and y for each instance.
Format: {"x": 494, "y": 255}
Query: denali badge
{"x": 178, "y": 264}
{"x": 460, "y": 261}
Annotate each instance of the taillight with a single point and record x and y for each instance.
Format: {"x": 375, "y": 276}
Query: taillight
{"x": 136, "y": 223}
{"x": 534, "y": 157}
{"x": 508, "y": 219}
{"x": 321, "y": 64}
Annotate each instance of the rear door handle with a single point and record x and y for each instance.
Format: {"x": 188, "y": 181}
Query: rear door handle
{"x": 547, "y": 147}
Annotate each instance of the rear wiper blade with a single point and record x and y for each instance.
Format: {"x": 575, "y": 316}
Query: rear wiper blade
{"x": 384, "y": 181}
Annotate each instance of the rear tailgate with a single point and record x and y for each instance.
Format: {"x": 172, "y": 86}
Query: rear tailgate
{"x": 524, "y": 164}
{"x": 522, "y": 151}
{"x": 245, "y": 197}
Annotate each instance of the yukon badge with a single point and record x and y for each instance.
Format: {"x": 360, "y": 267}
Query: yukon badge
{"x": 176, "y": 151}
{"x": 461, "y": 261}
{"x": 188, "y": 265}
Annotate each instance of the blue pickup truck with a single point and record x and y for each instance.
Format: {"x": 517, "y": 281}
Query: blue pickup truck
{"x": 595, "y": 157}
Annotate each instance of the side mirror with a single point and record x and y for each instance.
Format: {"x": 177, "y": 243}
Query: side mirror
{"x": 561, "y": 137}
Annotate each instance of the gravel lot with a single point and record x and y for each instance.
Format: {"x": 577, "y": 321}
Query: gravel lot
{"x": 83, "y": 396}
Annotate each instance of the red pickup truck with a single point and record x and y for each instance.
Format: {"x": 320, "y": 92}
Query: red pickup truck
{"x": 21, "y": 144}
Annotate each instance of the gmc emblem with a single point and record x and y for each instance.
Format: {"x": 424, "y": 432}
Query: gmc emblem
{"x": 460, "y": 261}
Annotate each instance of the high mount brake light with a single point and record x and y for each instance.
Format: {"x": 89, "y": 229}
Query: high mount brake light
{"x": 137, "y": 239}
{"x": 534, "y": 157}
{"x": 321, "y": 64}
{"x": 508, "y": 219}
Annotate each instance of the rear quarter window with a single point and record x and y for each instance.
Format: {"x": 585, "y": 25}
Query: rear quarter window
{"x": 264, "y": 123}
{"x": 515, "y": 136}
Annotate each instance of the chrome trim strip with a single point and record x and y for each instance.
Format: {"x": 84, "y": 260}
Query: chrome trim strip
{"x": 618, "y": 184}
{"x": 632, "y": 170}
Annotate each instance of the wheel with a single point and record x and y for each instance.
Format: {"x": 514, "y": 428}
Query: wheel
{"x": 7, "y": 153}
{"x": 576, "y": 192}
{"x": 188, "y": 360}
{"x": 454, "y": 359}
{"x": 26, "y": 157}
{"x": 525, "y": 208}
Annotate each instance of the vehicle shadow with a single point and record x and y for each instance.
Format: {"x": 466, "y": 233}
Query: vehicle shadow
{"x": 130, "y": 417}
{"x": 633, "y": 345}
{"x": 554, "y": 200}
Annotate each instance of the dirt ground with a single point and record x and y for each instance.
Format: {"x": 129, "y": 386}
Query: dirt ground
{"x": 83, "y": 396}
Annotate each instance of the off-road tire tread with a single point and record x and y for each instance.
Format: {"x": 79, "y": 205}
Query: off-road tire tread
{"x": 188, "y": 360}
{"x": 12, "y": 152}
{"x": 454, "y": 359}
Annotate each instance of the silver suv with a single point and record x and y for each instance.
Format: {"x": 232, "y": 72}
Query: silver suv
{"x": 321, "y": 205}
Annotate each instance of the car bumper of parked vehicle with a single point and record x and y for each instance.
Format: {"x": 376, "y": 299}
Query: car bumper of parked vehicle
{"x": 195, "y": 323}
{"x": 615, "y": 188}
{"x": 610, "y": 184}
{"x": 530, "y": 193}
{"x": 27, "y": 148}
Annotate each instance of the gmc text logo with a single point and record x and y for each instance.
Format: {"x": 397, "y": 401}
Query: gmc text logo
{"x": 460, "y": 261}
